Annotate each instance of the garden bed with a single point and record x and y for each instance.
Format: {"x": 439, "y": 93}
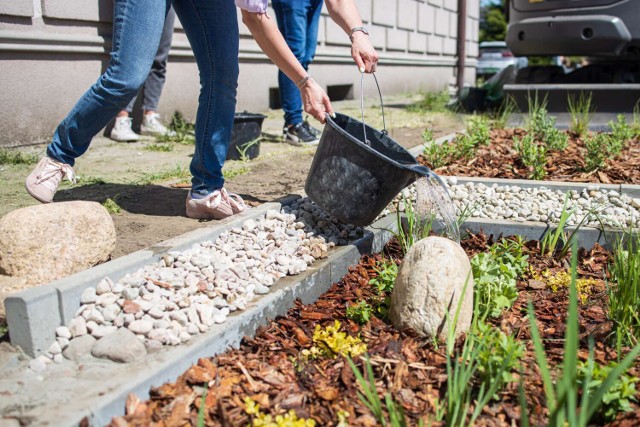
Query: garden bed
{"x": 540, "y": 151}
{"x": 285, "y": 366}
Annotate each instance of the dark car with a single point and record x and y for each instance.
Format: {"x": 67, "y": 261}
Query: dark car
{"x": 574, "y": 27}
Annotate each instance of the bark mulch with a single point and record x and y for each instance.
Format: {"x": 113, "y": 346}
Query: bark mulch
{"x": 268, "y": 368}
{"x": 500, "y": 160}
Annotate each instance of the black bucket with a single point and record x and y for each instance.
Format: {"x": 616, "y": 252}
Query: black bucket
{"x": 355, "y": 180}
{"x": 247, "y": 128}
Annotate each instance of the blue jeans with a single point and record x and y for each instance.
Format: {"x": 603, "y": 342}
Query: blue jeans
{"x": 152, "y": 87}
{"x": 298, "y": 22}
{"x": 212, "y": 29}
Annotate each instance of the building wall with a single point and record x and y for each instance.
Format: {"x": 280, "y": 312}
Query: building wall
{"x": 51, "y": 51}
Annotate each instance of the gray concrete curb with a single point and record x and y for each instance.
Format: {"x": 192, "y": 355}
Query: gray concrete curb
{"x": 586, "y": 236}
{"x": 631, "y": 190}
{"x": 34, "y": 314}
{"x": 104, "y": 399}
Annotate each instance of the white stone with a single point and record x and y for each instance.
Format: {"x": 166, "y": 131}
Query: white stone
{"x": 121, "y": 346}
{"x": 103, "y": 286}
{"x": 429, "y": 285}
{"x": 88, "y": 296}
{"x": 63, "y": 332}
{"x": 55, "y": 348}
{"x": 78, "y": 327}
{"x": 142, "y": 327}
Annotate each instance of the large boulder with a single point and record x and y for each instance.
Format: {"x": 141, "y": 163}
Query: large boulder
{"x": 42, "y": 243}
{"x": 429, "y": 285}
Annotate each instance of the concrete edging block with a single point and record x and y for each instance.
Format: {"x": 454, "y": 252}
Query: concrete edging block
{"x": 30, "y": 312}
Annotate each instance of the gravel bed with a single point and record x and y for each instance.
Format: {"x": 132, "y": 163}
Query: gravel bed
{"x": 186, "y": 292}
{"x": 538, "y": 204}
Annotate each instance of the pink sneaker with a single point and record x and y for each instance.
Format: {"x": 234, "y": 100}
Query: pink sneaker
{"x": 42, "y": 183}
{"x": 217, "y": 205}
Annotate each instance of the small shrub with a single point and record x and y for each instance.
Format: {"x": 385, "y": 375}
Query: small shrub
{"x": 495, "y": 274}
{"x": 260, "y": 419}
{"x": 499, "y": 357}
{"x": 478, "y": 133}
{"x": 543, "y": 126}
{"x": 360, "y": 312}
{"x": 598, "y": 151}
{"x": 580, "y": 111}
{"x": 618, "y": 397}
{"x": 533, "y": 155}
{"x": 621, "y": 130}
{"x": 330, "y": 343}
{"x": 501, "y": 116}
{"x": 383, "y": 283}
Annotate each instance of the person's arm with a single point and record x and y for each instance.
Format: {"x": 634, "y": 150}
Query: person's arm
{"x": 345, "y": 14}
{"x": 265, "y": 32}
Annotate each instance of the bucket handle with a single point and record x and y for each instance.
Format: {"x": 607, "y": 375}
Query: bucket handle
{"x": 384, "y": 123}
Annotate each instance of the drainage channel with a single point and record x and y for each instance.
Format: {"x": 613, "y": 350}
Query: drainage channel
{"x": 97, "y": 389}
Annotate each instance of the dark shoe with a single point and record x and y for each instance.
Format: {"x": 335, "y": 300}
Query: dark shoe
{"x": 300, "y": 135}
{"x": 316, "y": 132}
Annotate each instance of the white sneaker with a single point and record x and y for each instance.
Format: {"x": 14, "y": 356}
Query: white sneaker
{"x": 151, "y": 125}
{"x": 122, "y": 131}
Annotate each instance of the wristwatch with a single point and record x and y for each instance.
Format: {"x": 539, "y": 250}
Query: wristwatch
{"x": 354, "y": 29}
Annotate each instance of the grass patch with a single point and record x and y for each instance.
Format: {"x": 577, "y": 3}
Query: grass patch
{"x": 14, "y": 157}
{"x": 111, "y": 206}
{"x": 163, "y": 147}
{"x": 232, "y": 173}
{"x": 431, "y": 102}
{"x": 178, "y": 172}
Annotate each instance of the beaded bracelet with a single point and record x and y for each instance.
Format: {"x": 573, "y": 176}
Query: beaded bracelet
{"x": 302, "y": 83}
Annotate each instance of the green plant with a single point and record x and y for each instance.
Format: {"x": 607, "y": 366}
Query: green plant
{"x": 580, "y": 111}
{"x": 232, "y": 173}
{"x": 329, "y": 342}
{"x": 178, "y": 172}
{"x": 618, "y": 397}
{"x": 495, "y": 274}
{"x": 495, "y": 284}
{"x": 416, "y": 228}
{"x": 621, "y": 130}
{"x": 360, "y": 312}
{"x": 162, "y": 147}
{"x": 624, "y": 292}
{"x": 477, "y": 133}
{"x": 549, "y": 241}
{"x": 383, "y": 283}
{"x": 14, "y": 157}
{"x": 242, "y": 150}
{"x": 562, "y": 396}
{"x": 543, "y": 126}
{"x": 492, "y": 357}
{"x": 111, "y": 206}
{"x": 597, "y": 153}
{"x": 202, "y": 410}
{"x": 463, "y": 366}
{"x": 369, "y": 398}
{"x": 500, "y": 117}
{"x": 181, "y": 130}
{"x": 288, "y": 419}
{"x": 533, "y": 155}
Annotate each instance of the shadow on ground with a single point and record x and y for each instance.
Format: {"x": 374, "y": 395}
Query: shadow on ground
{"x": 151, "y": 199}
